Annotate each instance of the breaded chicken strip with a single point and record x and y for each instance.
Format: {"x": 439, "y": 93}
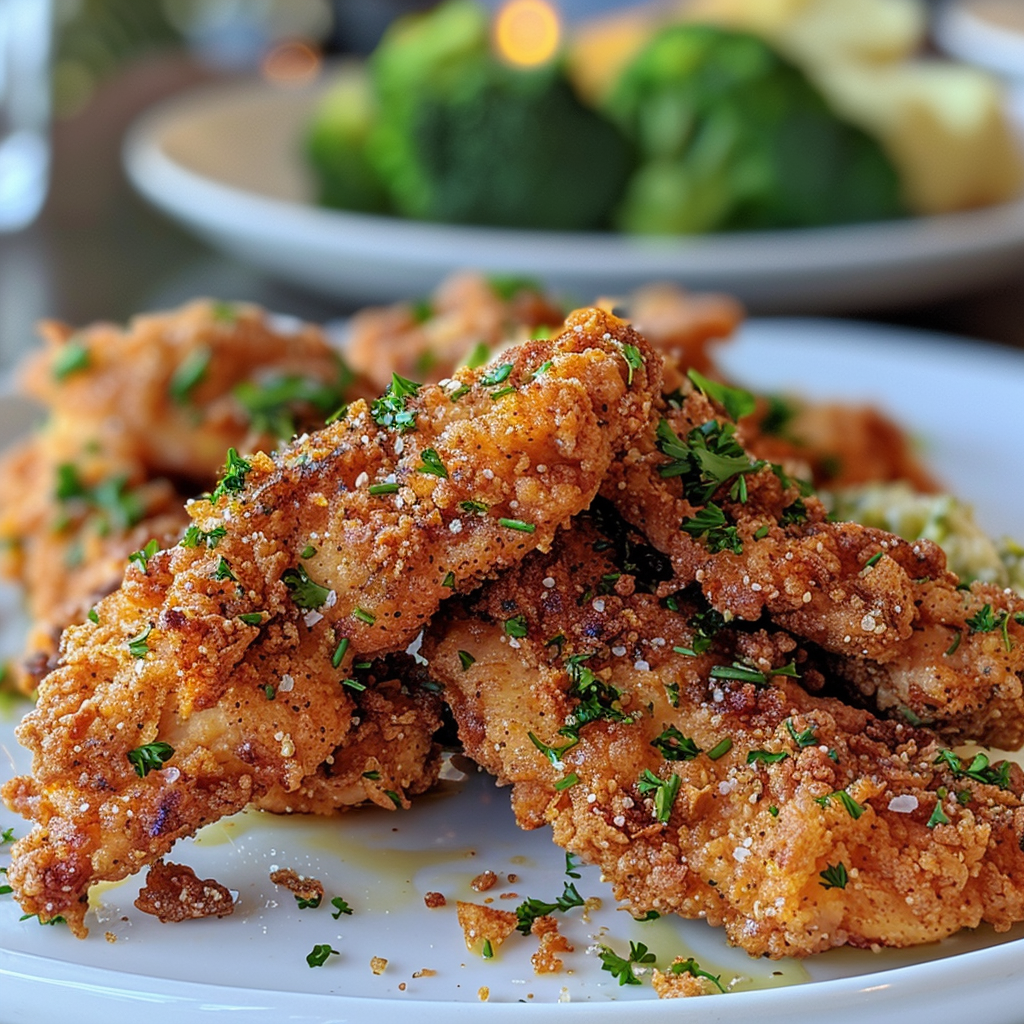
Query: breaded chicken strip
{"x": 138, "y": 420}
{"x": 685, "y": 759}
{"x": 301, "y": 569}
{"x": 759, "y": 544}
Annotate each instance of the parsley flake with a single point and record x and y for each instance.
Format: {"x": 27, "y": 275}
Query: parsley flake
{"x": 528, "y": 911}
{"x": 691, "y": 967}
{"x": 498, "y": 375}
{"x": 664, "y": 791}
{"x": 516, "y": 626}
{"x": 835, "y": 876}
{"x": 320, "y": 954}
{"x": 150, "y": 757}
{"x": 141, "y": 558}
{"x": 674, "y": 746}
{"x": 389, "y": 410}
{"x": 305, "y": 592}
{"x": 735, "y": 401}
{"x": 466, "y": 660}
{"x": 137, "y": 645}
{"x": 189, "y": 374}
{"x": 432, "y": 464}
{"x": 634, "y": 361}
{"x": 517, "y": 524}
{"x": 72, "y": 358}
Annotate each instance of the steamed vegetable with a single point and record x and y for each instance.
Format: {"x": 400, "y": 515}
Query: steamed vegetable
{"x": 460, "y": 136}
{"x": 734, "y": 137}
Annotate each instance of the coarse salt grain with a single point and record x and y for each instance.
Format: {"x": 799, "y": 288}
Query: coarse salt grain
{"x": 287, "y": 683}
{"x": 905, "y": 803}
{"x": 548, "y": 581}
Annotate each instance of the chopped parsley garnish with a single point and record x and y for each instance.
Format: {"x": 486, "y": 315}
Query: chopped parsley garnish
{"x": 498, "y": 375}
{"x": 150, "y": 757}
{"x": 7, "y": 836}
{"x": 432, "y": 464}
{"x": 528, "y": 911}
{"x": 710, "y": 523}
{"x": 674, "y": 746}
{"x": 270, "y": 692}
{"x": 93, "y": 616}
{"x": 502, "y": 392}
{"x": 691, "y": 967}
{"x": 874, "y": 560}
{"x": 373, "y": 776}
{"x": 189, "y": 374}
{"x": 341, "y": 907}
{"x": 224, "y": 312}
{"x": 854, "y": 809}
{"x": 72, "y": 358}
{"x": 137, "y": 645}
{"x": 517, "y": 524}
{"x": 466, "y": 660}
{"x": 778, "y": 417}
{"x": 308, "y": 902}
{"x": 308, "y": 551}
{"x": 708, "y": 458}
{"x": 364, "y": 616}
{"x": 394, "y": 798}
{"x": 568, "y": 782}
{"x": 571, "y": 865}
{"x": 272, "y": 405}
{"x": 141, "y": 558}
{"x": 735, "y": 401}
{"x": 794, "y": 514}
{"x": 743, "y": 673}
{"x": 449, "y": 580}
{"x": 477, "y": 507}
{"x": 979, "y": 769}
{"x": 545, "y": 366}
{"x": 516, "y": 626}
{"x": 621, "y": 968}
{"x": 194, "y": 537}
{"x": 386, "y": 488}
{"x": 762, "y": 532}
{"x": 252, "y": 618}
{"x": 223, "y": 570}
{"x": 835, "y": 876}
{"x": 597, "y": 699}
{"x": 672, "y": 689}
{"x": 115, "y": 506}
{"x": 553, "y": 754}
{"x": 389, "y": 410}
{"x": 766, "y": 756}
{"x": 651, "y": 915}
{"x": 720, "y": 749}
{"x": 460, "y": 392}
{"x": 634, "y": 361}
{"x": 938, "y": 816}
{"x": 806, "y": 738}
{"x": 952, "y": 648}
{"x": 487, "y": 950}
{"x": 664, "y": 791}
{"x": 318, "y": 957}
{"x": 339, "y": 652}
{"x": 305, "y": 592}
{"x": 233, "y": 480}
{"x": 985, "y": 621}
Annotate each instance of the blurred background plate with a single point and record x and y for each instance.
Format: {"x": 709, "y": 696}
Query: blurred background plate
{"x": 226, "y": 161}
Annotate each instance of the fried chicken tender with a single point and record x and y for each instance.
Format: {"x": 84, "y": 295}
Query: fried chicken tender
{"x": 759, "y": 544}
{"x": 138, "y": 421}
{"x": 684, "y": 757}
{"x": 303, "y": 567}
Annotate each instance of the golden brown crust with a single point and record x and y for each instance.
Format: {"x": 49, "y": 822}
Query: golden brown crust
{"x": 798, "y": 823}
{"x": 129, "y": 437}
{"x": 887, "y": 609}
{"x": 184, "y": 651}
{"x": 173, "y": 893}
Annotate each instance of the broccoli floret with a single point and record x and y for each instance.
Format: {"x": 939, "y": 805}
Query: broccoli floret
{"x": 336, "y": 146}
{"x": 733, "y": 137}
{"x": 462, "y": 137}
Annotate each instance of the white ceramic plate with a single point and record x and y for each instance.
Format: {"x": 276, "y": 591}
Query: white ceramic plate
{"x": 985, "y": 32}
{"x": 226, "y": 162}
{"x": 964, "y": 399}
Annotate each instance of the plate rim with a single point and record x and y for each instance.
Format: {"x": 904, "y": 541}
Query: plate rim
{"x": 214, "y": 206}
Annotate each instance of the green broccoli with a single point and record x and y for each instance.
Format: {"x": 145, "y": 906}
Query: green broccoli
{"x": 732, "y": 136}
{"x": 336, "y": 146}
{"x": 462, "y": 137}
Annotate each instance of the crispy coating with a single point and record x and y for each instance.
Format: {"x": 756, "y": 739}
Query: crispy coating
{"x": 428, "y": 340}
{"x": 795, "y": 822}
{"x": 299, "y": 572}
{"x": 173, "y": 893}
{"x": 896, "y": 622}
{"x": 138, "y": 420}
